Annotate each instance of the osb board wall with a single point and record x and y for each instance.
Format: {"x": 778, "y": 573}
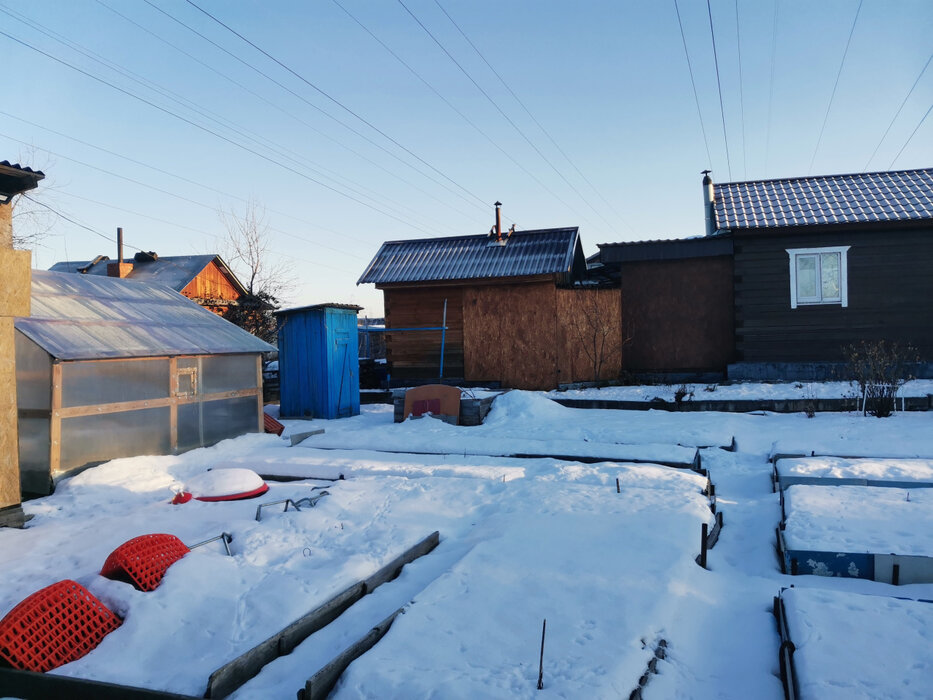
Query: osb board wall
{"x": 211, "y": 283}
{"x": 529, "y": 336}
{"x": 416, "y": 354}
{"x": 9, "y": 450}
{"x": 592, "y": 342}
{"x": 678, "y": 314}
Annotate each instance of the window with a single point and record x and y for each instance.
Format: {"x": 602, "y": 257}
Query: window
{"x": 818, "y": 276}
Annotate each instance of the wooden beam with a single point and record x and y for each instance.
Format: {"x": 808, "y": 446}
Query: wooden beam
{"x": 318, "y": 687}
{"x": 173, "y": 407}
{"x": 121, "y": 406}
{"x": 55, "y": 421}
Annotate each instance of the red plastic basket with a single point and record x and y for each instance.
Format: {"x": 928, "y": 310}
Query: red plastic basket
{"x": 144, "y": 560}
{"x": 54, "y": 626}
{"x": 272, "y": 425}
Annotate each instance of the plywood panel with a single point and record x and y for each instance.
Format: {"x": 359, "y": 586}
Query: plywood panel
{"x": 511, "y": 335}
{"x": 211, "y": 283}
{"x": 590, "y": 334}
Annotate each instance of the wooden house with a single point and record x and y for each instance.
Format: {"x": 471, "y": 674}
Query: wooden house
{"x": 789, "y": 273}
{"x": 824, "y": 262}
{"x": 206, "y": 279}
{"x": 511, "y": 308}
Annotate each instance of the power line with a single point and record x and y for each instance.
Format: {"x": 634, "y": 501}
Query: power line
{"x": 696, "y": 97}
{"x": 527, "y": 111}
{"x": 835, "y": 85}
{"x": 342, "y": 123}
{"x": 210, "y": 131}
{"x": 909, "y": 138}
{"x": 898, "y": 113}
{"x": 774, "y": 24}
{"x": 281, "y": 151}
{"x": 182, "y": 197}
{"x": 509, "y": 120}
{"x": 722, "y": 110}
{"x": 738, "y": 43}
{"x": 337, "y": 102}
{"x": 173, "y": 175}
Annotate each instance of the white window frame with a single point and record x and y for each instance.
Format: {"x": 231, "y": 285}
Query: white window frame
{"x": 793, "y": 253}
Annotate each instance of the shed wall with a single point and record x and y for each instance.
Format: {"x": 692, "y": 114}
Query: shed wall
{"x": 678, "y": 314}
{"x": 417, "y": 354}
{"x": 890, "y": 291}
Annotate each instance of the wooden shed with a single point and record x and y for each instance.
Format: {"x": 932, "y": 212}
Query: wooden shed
{"x": 109, "y": 368}
{"x": 516, "y": 310}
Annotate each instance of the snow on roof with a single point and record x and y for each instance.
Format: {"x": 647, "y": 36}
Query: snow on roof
{"x": 77, "y": 317}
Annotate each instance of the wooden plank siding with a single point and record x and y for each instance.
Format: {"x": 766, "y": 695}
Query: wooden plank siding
{"x": 678, "y": 314}
{"x": 416, "y": 354}
{"x": 890, "y": 294}
{"x": 212, "y": 285}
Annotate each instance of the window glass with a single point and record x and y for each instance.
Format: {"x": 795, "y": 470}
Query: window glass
{"x": 829, "y": 276}
{"x": 807, "y": 277}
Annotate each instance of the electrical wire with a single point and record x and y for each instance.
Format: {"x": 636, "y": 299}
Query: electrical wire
{"x": 337, "y": 102}
{"x": 243, "y": 132}
{"x": 909, "y": 138}
{"x": 722, "y": 110}
{"x": 738, "y": 43}
{"x": 241, "y": 146}
{"x": 832, "y": 95}
{"x": 898, "y": 113}
{"x": 336, "y": 120}
{"x": 510, "y": 121}
{"x": 696, "y": 96}
{"x": 530, "y": 115}
{"x": 774, "y": 24}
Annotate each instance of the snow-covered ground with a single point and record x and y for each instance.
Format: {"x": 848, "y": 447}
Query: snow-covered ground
{"x": 522, "y": 540}
{"x": 743, "y": 390}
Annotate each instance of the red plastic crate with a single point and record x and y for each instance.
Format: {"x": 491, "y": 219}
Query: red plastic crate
{"x": 54, "y": 626}
{"x": 272, "y": 425}
{"x": 144, "y": 560}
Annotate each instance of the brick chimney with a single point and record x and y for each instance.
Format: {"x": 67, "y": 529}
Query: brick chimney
{"x": 118, "y": 268}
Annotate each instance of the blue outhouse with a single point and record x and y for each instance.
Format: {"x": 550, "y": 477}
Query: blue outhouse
{"x": 319, "y": 361}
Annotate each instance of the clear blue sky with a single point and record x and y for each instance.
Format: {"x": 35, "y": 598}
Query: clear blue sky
{"x": 608, "y": 81}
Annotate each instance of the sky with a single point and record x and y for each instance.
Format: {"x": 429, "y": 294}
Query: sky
{"x": 349, "y": 123}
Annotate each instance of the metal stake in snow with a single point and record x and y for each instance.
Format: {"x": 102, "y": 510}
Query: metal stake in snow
{"x": 618, "y": 486}
{"x": 541, "y": 659}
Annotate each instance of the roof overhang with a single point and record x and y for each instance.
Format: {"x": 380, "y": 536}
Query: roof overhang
{"x": 15, "y": 180}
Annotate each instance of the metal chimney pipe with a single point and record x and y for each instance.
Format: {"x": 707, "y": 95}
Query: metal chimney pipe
{"x": 709, "y": 199}
{"x": 119, "y": 245}
{"x": 498, "y": 222}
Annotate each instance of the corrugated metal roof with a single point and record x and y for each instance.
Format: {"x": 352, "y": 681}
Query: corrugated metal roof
{"x": 80, "y": 317}
{"x": 311, "y": 307}
{"x": 904, "y": 195}
{"x": 175, "y": 271}
{"x": 525, "y": 253}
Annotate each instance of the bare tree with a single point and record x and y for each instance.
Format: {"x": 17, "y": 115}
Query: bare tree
{"x": 246, "y": 249}
{"x": 596, "y": 327}
{"x": 33, "y": 216}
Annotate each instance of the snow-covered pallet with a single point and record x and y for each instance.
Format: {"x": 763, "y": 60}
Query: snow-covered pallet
{"x": 824, "y": 632}
{"x": 844, "y": 471}
{"x": 857, "y": 532}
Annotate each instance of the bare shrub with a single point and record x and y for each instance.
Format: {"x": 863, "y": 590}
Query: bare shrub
{"x": 683, "y": 392}
{"x": 880, "y": 369}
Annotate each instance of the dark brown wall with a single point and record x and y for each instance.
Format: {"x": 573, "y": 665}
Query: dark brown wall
{"x": 890, "y": 284}
{"x": 677, "y": 314}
